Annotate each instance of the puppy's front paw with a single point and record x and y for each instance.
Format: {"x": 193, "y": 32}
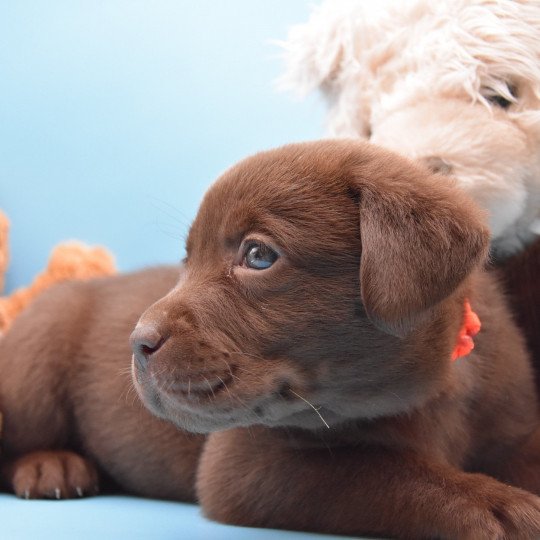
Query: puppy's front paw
{"x": 53, "y": 475}
{"x": 497, "y": 511}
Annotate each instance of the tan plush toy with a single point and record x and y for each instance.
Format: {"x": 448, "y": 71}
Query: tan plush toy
{"x": 70, "y": 260}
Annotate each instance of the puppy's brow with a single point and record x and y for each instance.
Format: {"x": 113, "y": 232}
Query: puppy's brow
{"x": 232, "y": 241}
{"x": 233, "y": 238}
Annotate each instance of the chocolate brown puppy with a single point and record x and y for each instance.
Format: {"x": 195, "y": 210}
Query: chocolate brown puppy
{"x": 309, "y": 338}
{"x": 312, "y": 334}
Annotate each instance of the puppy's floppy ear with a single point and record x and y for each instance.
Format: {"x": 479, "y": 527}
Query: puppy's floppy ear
{"x": 420, "y": 238}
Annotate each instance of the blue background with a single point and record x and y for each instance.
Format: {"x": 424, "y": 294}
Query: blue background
{"x": 116, "y": 115}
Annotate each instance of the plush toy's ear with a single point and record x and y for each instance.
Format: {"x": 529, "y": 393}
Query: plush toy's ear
{"x": 339, "y": 36}
{"x": 420, "y": 238}
{"x": 333, "y": 52}
{"x": 312, "y": 53}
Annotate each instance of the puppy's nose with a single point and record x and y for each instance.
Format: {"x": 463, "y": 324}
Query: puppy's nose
{"x": 145, "y": 341}
{"x": 437, "y": 164}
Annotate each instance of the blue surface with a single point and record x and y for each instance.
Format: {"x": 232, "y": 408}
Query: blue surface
{"x": 116, "y": 115}
{"x": 121, "y": 518}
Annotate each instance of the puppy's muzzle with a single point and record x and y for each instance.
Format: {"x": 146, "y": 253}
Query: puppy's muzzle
{"x": 184, "y": 369}
{"x": 146, "y": 340}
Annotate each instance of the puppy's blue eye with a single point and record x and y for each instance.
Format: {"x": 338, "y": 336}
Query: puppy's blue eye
{"x": 259, "y": 256}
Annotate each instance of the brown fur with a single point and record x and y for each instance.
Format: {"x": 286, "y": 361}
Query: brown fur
{"x": 324, "y": 382}
{"x": 521, "y": 276}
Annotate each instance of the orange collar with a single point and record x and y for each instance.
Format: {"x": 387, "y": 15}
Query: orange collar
{"x": 470, "y": 327}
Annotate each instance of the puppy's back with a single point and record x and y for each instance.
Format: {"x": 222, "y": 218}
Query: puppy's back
{"x": 43, "y": 356}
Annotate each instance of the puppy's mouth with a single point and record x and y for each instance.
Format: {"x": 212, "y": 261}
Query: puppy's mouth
{"x": 210, "y": 401}
{"x": 197, "y": 390}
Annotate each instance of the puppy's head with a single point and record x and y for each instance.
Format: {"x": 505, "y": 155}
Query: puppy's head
{"x": 319, "y": 285}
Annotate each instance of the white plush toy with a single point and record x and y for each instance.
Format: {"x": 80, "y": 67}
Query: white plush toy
{"x": 453, "y": 83}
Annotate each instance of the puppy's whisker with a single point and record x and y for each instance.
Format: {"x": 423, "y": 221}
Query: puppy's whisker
{"x": 230, "y": 369}
{"x": 124, "y": 394}
{"x": 312, "y": 406}
{"x": 135, "y": 396}
{"x": 159, "y": 373}
{"x": 210, "y": 386}
{"x": 225, "y": 386}
{"x": 174, "y": 235}
{"x": 170, "y": 211}
{"x": 125, "y": 371}
{"x": 128, "y": 392}
{"x": 170, "y": 384}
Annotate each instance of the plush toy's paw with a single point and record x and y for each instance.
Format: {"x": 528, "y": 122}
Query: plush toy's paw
{"x": 53, "y": 475}
{"x": 499, "y": 512}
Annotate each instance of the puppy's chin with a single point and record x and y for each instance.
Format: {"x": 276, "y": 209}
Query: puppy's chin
{"x": 191, "y": 417}
{"x": 270, "y": 409}
{"x": 188, "y": 419}
{"x": 209, "y": 421}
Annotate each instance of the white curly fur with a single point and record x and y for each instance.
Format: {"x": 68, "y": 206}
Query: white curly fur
{"x": 421, "y": 77}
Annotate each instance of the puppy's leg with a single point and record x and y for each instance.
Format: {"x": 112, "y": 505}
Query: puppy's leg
{"x": 260, "y": 480}
{"x": 52, "y": 475}
{"x": 521, "y": 467}
{"x": 36, "y": 362}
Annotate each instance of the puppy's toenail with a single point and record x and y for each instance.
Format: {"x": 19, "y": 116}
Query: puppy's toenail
{"x": 57, "y": 493}
{"x": 26, "y": 494}
{"x": 79, "y": 491}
